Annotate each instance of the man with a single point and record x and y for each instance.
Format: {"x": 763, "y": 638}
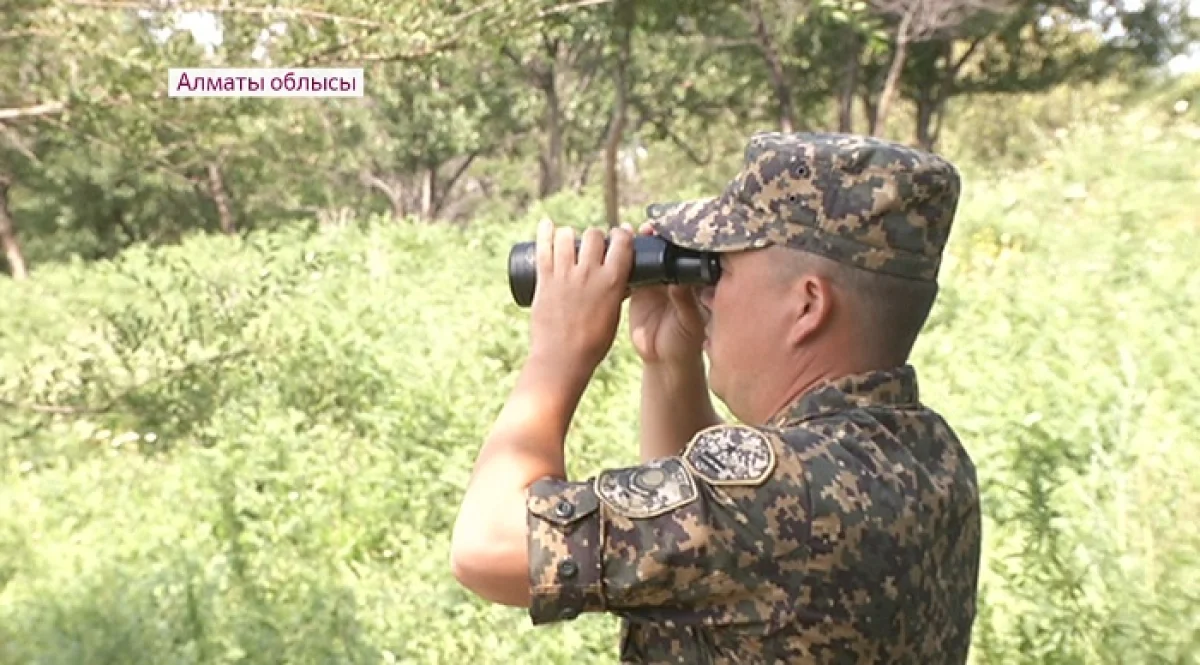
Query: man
{"x": 839, "y": 522}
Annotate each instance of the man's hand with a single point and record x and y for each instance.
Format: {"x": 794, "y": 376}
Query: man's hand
{"x": 577, "y": 304}
{"x": 667, "y": 329}
{"x": 665, "y": 322}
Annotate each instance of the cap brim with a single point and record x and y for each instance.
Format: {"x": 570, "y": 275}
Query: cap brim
{"x": 710, "y": 224}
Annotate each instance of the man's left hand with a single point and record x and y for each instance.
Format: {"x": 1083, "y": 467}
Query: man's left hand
{"x": 576, "y": 306}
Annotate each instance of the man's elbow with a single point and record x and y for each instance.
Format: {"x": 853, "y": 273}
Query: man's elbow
{"x": 491, "y": 570}
{"x": 466, "y": 564}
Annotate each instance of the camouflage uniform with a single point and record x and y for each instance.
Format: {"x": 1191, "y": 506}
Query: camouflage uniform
{"x": 844, "y": 530}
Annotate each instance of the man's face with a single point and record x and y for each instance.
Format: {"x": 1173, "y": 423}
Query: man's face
{"x": 747, "y": 320}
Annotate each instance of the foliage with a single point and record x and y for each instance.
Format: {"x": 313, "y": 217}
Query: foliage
{"x": 250, "y": 449}
{"x": 491, "y": 104}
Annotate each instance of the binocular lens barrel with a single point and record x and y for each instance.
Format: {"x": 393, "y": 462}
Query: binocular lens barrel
{"x": 655, "y": 261}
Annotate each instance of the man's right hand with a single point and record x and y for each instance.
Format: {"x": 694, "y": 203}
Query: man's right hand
{"x": 665, "y": 322}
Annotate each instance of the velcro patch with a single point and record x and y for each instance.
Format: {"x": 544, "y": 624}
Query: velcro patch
{"x": 649, "y": 490}
{"x": 731, "y": 455}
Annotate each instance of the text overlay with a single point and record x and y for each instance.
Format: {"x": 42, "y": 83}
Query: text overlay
{"x": 264, "y": 82}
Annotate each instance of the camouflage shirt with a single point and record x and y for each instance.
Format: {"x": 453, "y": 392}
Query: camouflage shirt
{"x": 846, "y": 530}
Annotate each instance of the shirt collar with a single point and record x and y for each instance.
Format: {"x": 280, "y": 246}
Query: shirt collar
{"x": 891, "y": 387}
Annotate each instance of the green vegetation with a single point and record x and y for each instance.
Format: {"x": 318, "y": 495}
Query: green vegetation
{"x": 249, "y": 347}
{"x": 262, "y": 441}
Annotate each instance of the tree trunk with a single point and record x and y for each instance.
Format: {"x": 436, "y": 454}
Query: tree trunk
{"x": 428, "y": 193}
{"x": 216, "y": 189}
{"x": 394, "y": 191}
{"x": 783, "y": 93}
{"x": 935, "y": 133}
{"x": 552, "y": 159}
{"x": 612, "y": 189}
{"x": 925, "y": 139}
{"x": 930, "y": 113}
{"x": 442, "y": 200}
{"x": 934, "y": 94}
{"x": 8, "y": 235}
{"x": 544, "y": 75}
{"x": 893, "y": 77}
{"x": 849, "y": 83}
{"x": 869, "y": 107}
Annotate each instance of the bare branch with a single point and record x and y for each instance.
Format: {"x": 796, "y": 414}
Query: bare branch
{"x": 922, "y": 20}
{"x": 368, "y": 178}
{"x": 417, "y": 54}
{"x": 657, "y": 119}
{"x": 571, "y": 6}
{"x": 18, "y": 143}
{"x": 927, "y": 19}
{"x": 318, "y": 56}
{"x": 965, "y": 56}
{"x": 771, "y": 55}
{"x": 716, "y": 41}
{"x": 423, "y": 51}
{"x": 532, "y": 70}
{"x": 453, "y": 42}
{"x": 36, "y": 110}
{"x": 440, "y": 203}
{"x": 444, "y": 45}
{"x": 262, "y": 11}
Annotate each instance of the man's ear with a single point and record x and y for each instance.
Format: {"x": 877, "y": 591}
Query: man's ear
{"x": 814, "y": 302}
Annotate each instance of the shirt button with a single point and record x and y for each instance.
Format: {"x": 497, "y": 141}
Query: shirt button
{"x": 567, "y": 569}
{"x": 564, "y": 509}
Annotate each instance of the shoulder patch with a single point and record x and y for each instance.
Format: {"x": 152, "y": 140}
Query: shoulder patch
{"x": 648, "y": 490}
{"x": 731, "y": 455}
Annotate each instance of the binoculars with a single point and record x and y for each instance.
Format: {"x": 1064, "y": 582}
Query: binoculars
{"x": 655, "y": 261}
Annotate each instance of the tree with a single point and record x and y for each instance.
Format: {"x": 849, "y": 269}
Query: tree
{"x": 624, "y": 19}
{"x": 919, "y": 21}
{"x": 1034, "y": 46}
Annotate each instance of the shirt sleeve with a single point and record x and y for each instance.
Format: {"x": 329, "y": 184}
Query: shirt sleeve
{"x": 707, "y": 536}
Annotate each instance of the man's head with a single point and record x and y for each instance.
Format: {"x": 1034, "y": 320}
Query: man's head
{"x": 831, "y": 246}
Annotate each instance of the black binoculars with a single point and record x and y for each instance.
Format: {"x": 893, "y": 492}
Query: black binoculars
{"x": 655, "y": 261}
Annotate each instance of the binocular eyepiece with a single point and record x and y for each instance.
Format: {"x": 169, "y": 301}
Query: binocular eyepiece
{"x": 655, "y": 261}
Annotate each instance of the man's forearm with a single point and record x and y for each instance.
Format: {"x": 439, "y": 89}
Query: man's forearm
{"x": 525, "y": 444}
{"x": 675, "y": 405}
{"x": 534, "y": 421}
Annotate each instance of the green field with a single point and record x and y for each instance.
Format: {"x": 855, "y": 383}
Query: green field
{"x": 252, "y": 451}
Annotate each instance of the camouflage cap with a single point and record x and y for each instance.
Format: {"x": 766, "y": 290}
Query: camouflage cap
{"x": 871, "y": 203}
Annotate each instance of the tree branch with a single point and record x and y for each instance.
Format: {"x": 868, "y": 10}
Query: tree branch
{"x": 571, "y": 6}
{"x": 774, "y": 62}
{"x": 18, "y": 144}
{"x": 39, "y": 109}
{"x": 217, "y": 9}
{"x": 931, "y": 18}
{"x": 660, "y": 123}
{"x": 534, "y": 73}
{"x": 156, "y": 161}
{"x": 957, "y": 67}
{"x": 439, "y": 202}
{"x": 424, "y": 51}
